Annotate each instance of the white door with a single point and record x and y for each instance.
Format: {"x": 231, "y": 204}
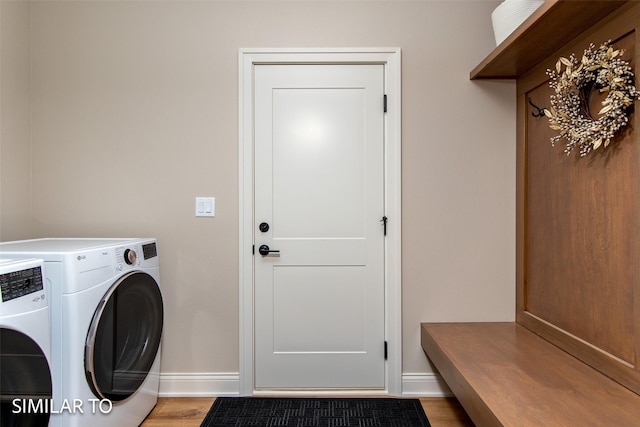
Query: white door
{"x": 319, "y": 189}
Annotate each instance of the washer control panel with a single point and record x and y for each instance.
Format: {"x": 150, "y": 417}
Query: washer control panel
{"x": 17, "y": 284}
{"x": 127, "y": 256}
{"x": 134, "y": 255}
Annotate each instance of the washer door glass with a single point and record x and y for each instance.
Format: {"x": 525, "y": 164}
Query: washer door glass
{"x": 25, "y": 381}
{"x": 124, "y": 337}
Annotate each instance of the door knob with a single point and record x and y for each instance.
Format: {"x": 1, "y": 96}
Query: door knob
{"x": 264, "y": 250}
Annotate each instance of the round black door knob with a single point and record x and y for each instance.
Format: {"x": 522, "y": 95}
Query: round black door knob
{"x": 264, "y": 227}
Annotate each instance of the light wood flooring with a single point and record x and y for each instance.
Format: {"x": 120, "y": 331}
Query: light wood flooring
{"x": 189, "y": 412}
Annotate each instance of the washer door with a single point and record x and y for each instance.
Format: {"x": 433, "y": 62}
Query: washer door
{"x": 25, "y": 376}
{"x": 124, "y": 337}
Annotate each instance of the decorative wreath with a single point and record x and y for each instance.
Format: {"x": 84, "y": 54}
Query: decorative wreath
{"x": 600, "y": 69}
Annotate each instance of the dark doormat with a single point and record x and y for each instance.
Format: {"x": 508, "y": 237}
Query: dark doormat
{"x": 320, "y": 412}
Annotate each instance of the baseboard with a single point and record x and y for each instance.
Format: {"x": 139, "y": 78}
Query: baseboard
{"x": 199, "y": 384}
{"x": 425, "y": 385}
{"x": 228, "y": 384}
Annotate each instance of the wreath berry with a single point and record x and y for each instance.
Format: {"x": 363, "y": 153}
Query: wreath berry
{"x": 574, "y": 81}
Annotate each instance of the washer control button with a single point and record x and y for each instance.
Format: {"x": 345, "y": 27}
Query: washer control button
{"x": 130, "y": 256}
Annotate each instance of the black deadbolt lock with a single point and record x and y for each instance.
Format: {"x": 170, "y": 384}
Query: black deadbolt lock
{"x": 264, "y": 227}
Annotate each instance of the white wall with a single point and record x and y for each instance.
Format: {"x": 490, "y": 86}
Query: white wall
{"x": 15, "y": 137}
{"x": 134, "y": 113}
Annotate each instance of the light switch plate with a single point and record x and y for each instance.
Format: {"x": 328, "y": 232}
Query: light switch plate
{"x": 206, "y": 206}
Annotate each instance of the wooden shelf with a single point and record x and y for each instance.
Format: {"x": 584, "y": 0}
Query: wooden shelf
{"x": 550, "y": 27}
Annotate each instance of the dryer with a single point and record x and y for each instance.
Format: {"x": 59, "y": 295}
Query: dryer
{"x": 25, "y": 374}
{"x": 106, "y": 327}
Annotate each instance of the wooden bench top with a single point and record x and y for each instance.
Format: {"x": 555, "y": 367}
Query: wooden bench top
{"x": 505, "y": 375}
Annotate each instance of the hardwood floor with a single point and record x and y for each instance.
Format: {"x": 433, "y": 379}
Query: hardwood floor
{"x": 179, "y": 412}
{"x": 445, "y": 412}
{"x": 190, "y": 411}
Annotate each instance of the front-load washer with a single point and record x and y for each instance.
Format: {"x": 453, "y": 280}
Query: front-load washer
{"x": 25, "y": 374}
{"x": 106, "y": 327}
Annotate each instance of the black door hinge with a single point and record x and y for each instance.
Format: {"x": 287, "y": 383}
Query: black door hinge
{"x": 385, "y": 350}
{"x": 384, "y": 221}
{"x": 385, "y": 103}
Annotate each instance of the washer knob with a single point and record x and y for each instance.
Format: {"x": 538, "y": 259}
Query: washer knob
{"x": 130, "y": 256}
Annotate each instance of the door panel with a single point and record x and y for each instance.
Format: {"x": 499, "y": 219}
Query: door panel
{"x": 317, "y": 151}
{"x": 319, "y": 301}
{"x": 307, "y": 294}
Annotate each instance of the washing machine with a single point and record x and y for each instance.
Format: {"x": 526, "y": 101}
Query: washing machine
{"x": 106, "y": 327}
{"x": 25, "y": 374}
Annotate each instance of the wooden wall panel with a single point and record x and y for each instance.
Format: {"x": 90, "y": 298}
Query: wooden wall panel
{"x": 579, "y": 216}
{"x": 579, "y": 228}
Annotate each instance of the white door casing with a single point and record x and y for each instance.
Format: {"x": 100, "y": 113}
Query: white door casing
{"x": 383, "y": 64}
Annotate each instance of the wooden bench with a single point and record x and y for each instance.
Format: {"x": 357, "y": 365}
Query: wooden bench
{"x": 505, "y": 375}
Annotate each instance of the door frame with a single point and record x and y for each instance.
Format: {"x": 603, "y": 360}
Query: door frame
{"x": 390, "y": 58}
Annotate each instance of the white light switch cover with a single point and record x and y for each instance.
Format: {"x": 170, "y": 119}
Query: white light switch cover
{"x": 205, "y": 206}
